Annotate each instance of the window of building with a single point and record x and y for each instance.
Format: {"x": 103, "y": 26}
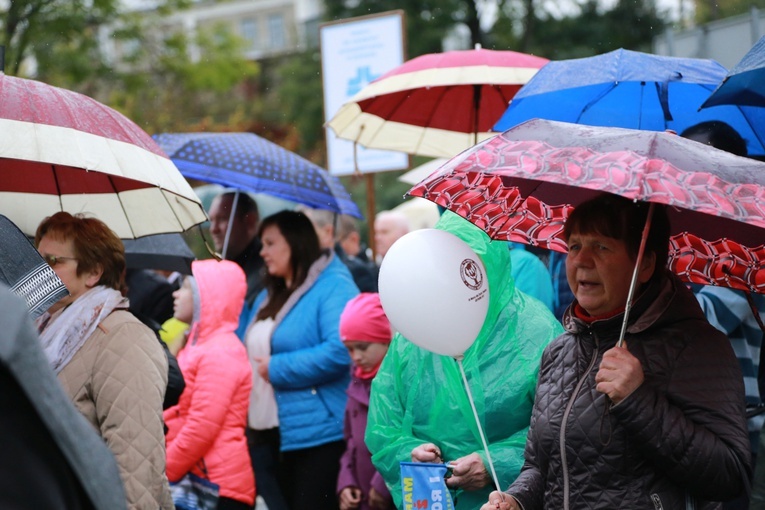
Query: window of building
{"x": 249, "y": 31}
{"x": 276, "y": 33}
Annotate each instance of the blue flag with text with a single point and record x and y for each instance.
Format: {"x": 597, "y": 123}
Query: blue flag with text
{"x": 423, "y": 487}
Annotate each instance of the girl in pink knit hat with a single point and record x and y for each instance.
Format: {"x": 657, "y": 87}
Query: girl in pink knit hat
{"x": 366, "y": 332}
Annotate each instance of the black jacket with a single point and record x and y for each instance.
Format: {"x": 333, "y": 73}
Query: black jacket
{"x": 252, "y": 264}
{"x": 681, "y": 434}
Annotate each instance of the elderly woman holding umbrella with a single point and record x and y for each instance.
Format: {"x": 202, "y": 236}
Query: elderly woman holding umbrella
{"x": 656, "y": 422}
{"x": 108, "y": 363}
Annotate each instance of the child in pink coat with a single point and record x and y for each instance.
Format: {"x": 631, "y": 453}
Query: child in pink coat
{"x": 366, "y": 332}
{"x": 206, "y": 427}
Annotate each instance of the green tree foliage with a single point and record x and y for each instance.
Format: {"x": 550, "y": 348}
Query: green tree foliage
{"x": 154, "y": 80}
{"x": 427, "y": 21}
{"x": 26, "y": 23}
{"x": 298, "y": 96}
{"x": 629, "y": 24}
{"x": 165, "y": 89}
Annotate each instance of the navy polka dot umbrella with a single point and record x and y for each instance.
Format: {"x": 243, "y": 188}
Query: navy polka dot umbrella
{"x": 249, "y": 162}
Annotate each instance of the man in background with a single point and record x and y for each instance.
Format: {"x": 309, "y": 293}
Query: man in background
{"x": 389, "y": 227}
{"x": 243, "y": 246}
{"x": 349, "y": 238}
{"x": 364, "y": 273}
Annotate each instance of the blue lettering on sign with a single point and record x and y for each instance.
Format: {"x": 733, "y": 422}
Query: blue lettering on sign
{"x": 423, "y": 486}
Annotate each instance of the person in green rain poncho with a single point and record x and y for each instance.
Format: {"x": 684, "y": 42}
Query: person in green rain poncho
{"x": 419, "y": 410}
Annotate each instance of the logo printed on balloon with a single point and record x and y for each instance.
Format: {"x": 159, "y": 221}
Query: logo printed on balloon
{"x": 434, "y": 290}
{"x": 471, "y": 274}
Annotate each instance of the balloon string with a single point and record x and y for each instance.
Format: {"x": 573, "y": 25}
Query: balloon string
{"x": 478, "y": 423}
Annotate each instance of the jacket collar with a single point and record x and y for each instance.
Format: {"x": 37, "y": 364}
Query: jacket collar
{"x": 647, "y": 310}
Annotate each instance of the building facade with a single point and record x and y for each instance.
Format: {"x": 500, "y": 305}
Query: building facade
{"x": 725, "y": 40}
{"x": 269, "y": 28}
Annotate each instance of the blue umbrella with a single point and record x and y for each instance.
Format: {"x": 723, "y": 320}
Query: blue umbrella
{"x": 634, "y": 90}
{"x": 249, "y": 162}
{"x": 745, "y": 83}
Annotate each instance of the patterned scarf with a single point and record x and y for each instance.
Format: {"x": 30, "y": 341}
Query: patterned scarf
{"x": 65, "y": 332}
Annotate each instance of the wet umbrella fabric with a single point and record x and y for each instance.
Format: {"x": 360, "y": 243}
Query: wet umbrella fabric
{"x": 25, "y": 272}
{"x": 63, "y": 151}
{"x": 633, "y": 90}
{"x": 745, "y": 83}
{"x": 249, "y": 162}
{"x": 522, "y": 185}
{"x": 168, "y": 252}
{"x": 436, "y": 104}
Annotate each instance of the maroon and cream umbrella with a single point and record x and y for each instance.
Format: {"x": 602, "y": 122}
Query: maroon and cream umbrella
{"x": 437, "y": 104}
{"x": 63, "y": 151}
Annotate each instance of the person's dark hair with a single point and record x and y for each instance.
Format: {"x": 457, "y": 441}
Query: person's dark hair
{"x": 721, "y": 136}
{"x": 95, "y": 245}
{"x": 245, "y": 204}
{"x": 301, "y": 237}
{"x": 620, "y": 218}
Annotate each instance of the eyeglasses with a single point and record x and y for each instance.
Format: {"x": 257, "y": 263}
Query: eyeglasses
{"x": 53, "y": 260}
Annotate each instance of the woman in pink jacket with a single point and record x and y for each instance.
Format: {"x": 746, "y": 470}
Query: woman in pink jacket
{"x": 206, "y": 428}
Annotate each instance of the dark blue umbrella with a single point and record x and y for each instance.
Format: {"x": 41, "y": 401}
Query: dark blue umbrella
{"x": 745, "y": 83}
{"x": 24, "y": 270}
{"x": 252, "y": 163}
{"x": 634, "y": 90}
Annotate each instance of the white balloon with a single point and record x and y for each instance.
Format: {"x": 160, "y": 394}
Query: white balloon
{"x": 434, "y": 290}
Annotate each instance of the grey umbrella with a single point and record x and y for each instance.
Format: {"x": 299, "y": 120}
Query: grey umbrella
{"x": 25, "y": 272}
{"x": 168, "y": 252}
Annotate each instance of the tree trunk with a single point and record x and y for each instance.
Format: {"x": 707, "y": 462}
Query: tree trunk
{"x": 529, "y": 25}
{"x": 474, "y": 24}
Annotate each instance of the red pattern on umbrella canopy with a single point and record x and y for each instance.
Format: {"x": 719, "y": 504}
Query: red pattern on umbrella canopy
{"x": 522, "y": 185}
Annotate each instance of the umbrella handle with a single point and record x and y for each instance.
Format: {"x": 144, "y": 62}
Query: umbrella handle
{"x": 231, "y": 218}
{"x": 633, "y": 283}
{"x": 217, "y": 256}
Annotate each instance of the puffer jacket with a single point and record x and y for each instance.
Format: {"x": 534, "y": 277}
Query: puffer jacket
{"x": 209, "y": 421}
{"x": 678, "y": 441}
{"x": 117, "y": 380}
{"x": 309, "y": 364}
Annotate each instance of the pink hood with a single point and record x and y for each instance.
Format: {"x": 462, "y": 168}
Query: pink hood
{"x": 219, "y": 289}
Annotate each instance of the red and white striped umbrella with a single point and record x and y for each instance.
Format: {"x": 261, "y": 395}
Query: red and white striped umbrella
{"x": 63, "y": 151}
{"x": 437, "y": 104}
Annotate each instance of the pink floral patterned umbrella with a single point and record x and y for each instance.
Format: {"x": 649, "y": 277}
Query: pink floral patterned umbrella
{"x": 522, "y": 184}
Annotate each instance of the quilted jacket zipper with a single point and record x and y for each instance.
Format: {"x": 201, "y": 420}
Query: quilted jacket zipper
{"x": 562, "y": 439}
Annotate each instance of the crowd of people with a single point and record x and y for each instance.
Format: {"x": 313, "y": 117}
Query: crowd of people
{"x": 289, "y": 383}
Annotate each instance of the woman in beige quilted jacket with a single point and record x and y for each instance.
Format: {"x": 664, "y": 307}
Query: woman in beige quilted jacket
{"x": 108, "y": 362}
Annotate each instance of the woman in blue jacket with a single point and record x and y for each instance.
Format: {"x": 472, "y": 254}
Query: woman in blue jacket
{"x": 306, "y": 290}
